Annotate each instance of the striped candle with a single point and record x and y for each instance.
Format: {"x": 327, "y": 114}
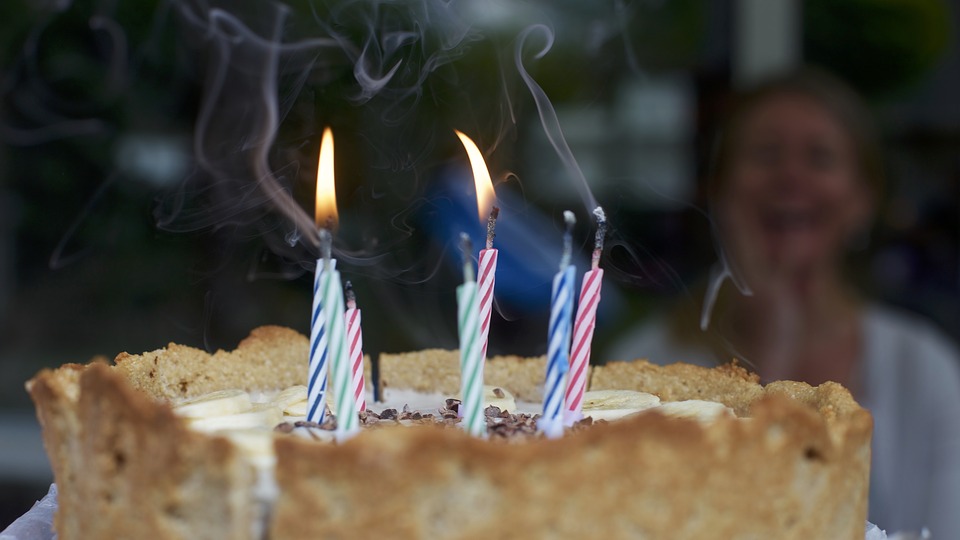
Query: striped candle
{"x": 558, "y": 339}
{"x": 487, "y": 271}
{"x": 348, "y": 422}
{"x": 318, "y": 366}
{"x": 583, "y": 327}
{"x": 580, "y": 350}
{"x": 471, "y": 362}
{"x": 355, "y": 346}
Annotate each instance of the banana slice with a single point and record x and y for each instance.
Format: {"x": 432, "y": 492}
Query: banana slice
{"x": 260, "y": 415}
{"x": 296, "y": 409}
{"x": 214, "y": 404}
{"x": 296, "y": 402}
{"x": 695, "y": 409}
{"x": 616, "y": 404}
{"x": 290, "y": 396}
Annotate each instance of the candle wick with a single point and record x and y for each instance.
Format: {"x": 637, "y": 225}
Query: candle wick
{"x": 598, "y": 239}
{"x": 570, "y": 221}
{"x": 466, "y": 246}
{"x": 350, "y": 296}
{"x": 492, "y": 226}
{"x": 326, "y": 247}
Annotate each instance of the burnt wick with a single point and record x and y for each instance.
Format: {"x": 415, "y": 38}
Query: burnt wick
{"x": 492, "y": 226}
{"x": 570, "y": 220}
{"x": 601, "y": 218}
{"x": 326, "y": 247}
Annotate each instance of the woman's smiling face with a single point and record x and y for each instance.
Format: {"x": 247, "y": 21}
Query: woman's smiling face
{"x": 792, "y": 195}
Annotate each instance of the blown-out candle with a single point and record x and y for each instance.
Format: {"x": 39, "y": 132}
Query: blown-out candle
{"x": 558, "y": 338}
{"x": 355, "y": 346}
{"x": 471, "y": 362}
{"x": 583, "y": 326}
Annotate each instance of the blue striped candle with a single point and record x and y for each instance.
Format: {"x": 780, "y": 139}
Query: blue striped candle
{"x": 558, "y": 339}
{"x": 318, "y": 365}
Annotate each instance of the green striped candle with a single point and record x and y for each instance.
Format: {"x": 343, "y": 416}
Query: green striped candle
{"x": 471, "y": 359}
{"x": 348, "y": 421}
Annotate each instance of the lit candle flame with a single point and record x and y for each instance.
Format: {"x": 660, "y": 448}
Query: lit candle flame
{"x": 325, "y": 215}
{"x": 486, "y": 198}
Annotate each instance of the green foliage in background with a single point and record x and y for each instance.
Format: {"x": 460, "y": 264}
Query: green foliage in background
{"x": 883, "y": 47}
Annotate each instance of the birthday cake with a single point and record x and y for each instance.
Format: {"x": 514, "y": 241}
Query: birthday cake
{"x": 135, "y": 456}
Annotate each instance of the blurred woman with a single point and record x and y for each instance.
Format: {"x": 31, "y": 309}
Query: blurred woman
{"x": 796, "y": 177}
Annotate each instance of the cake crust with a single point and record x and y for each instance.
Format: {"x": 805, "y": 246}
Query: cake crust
{"x": 128, "y": 467}
{"x": 438, "y": 370}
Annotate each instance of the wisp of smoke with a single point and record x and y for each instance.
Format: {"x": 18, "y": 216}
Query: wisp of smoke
{"x": 548, "y": 116}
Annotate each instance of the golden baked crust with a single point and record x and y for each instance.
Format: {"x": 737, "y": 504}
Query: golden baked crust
{"x": 438, "y": 370}
{"x": 127, "y": 467}
{"x": 774, "y": 476}
{"x": 270, "y": 357}
{"x": 729, "y": 384}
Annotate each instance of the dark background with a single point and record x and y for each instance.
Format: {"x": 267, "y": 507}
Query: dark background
{"x": 132, "y": 211}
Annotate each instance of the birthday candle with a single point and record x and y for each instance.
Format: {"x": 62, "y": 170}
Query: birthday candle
{"x": 331, "y": 289}
{"x": 325, "y": 217}
{"x": 486, "y": 201}
{"x": 558, "y": 336}
{"x": 471, "y": 362}
{"x": 487, "y": 271}
{"x": 583, "y": 327}
{"x": 318, "y": 366}
{"x": 355, "y": 346}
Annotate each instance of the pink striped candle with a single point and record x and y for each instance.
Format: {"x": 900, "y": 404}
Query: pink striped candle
{"x": 487, "y": 271}
{"x": 583, "y": 327}
{"x": 486, "y": 201}
{"x": 355, "y": 345}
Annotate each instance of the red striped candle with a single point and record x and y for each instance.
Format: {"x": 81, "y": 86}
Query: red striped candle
{"x": 583, "y": 326}
{"x": 355, "y": 344}
{"x": 487, "y": 270}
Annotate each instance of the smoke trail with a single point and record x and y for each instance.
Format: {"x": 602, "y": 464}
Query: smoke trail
{"x": 268, "y": 92}
{"x": 548, "y": 116}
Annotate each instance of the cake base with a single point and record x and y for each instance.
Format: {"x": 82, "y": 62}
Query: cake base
{"x": 128, "y": 467}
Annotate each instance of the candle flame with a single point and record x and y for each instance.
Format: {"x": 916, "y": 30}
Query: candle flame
{"x": 486, "y": 198}
{"x": 325, "y": 215}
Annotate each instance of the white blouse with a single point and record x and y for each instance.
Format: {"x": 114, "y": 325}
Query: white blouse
{"x": 911, "y": 380}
